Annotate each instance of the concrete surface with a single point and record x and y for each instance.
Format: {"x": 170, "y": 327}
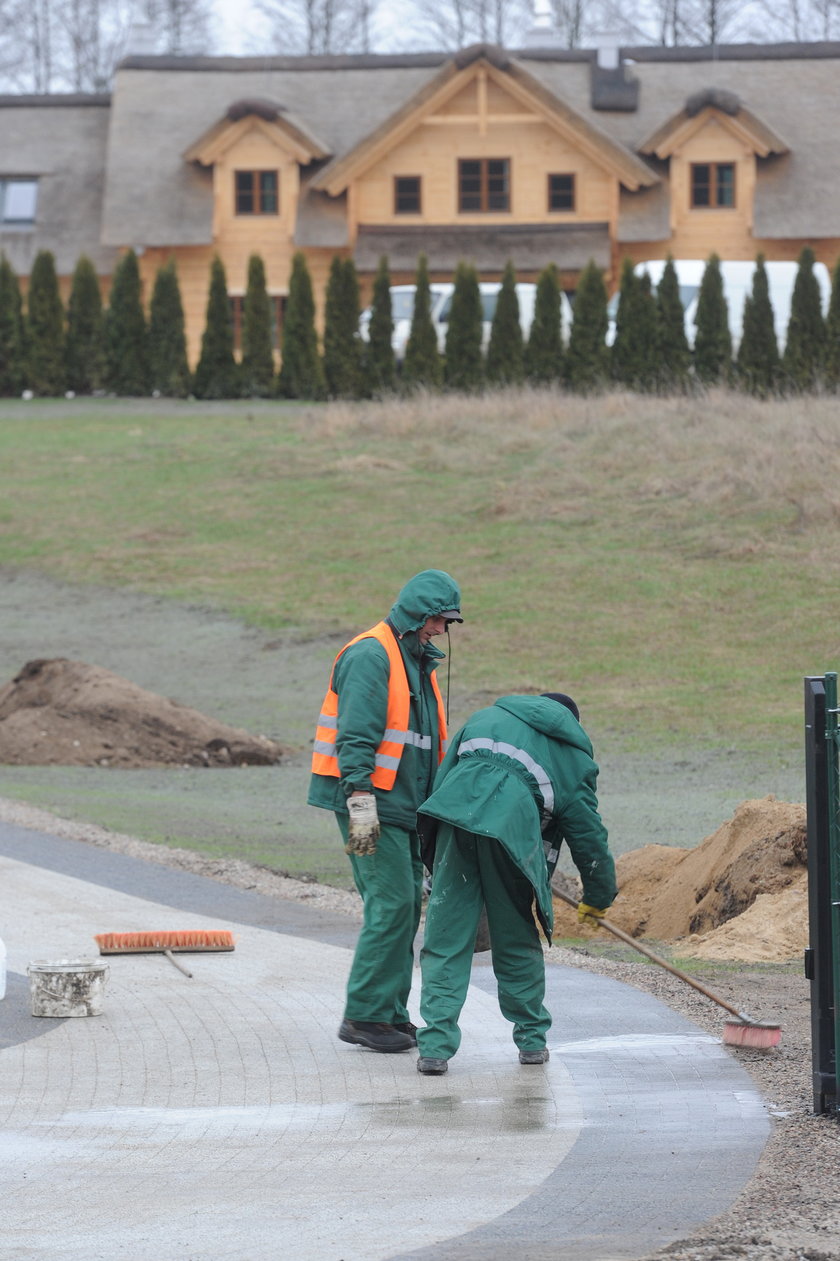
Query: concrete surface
{"x": 220, "y": 1117}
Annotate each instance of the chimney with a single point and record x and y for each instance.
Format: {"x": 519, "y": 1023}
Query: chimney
{"x": 543, "y": 33}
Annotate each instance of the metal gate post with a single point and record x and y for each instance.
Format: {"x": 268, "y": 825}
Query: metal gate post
{"x": 819, "y": 957}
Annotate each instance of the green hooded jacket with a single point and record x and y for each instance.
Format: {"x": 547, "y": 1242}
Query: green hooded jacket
{"x": 521, "y": 771}
{"x": 360, "y": 679}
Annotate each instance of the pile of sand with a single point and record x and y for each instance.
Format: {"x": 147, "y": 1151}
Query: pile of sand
{"x": 742, "y": 893}
{"x": 65, "y": 713}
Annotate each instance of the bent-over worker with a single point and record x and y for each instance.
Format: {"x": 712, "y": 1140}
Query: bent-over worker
{"x": 518, "y": 779}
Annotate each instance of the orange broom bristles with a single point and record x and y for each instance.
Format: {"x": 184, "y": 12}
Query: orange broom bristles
{"x": 745, "y": 1032}
{"x": 141, "y": 943}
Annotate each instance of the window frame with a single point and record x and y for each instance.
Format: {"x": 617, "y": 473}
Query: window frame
{"x": 11, "y": 180}
{"x": 562, "y": 175}
{"x": 485, "y": 192}
{"x": 714, "y": 186}
{"x": 398, "y": 194}
{"x": 256, "y": 192}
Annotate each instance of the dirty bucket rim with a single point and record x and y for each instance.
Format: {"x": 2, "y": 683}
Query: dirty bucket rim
{"x": 66, "y": 965}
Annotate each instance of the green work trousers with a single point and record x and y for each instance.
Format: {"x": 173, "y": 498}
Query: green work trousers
{"x": 390, "y": 883}
{"x": 470, "y": 872}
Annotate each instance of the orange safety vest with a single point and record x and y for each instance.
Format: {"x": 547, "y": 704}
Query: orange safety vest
{"x": 397, "y": 734}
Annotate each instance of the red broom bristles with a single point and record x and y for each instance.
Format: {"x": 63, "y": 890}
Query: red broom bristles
{"x": 138, "y": 943}
{"x": 755, "y": 1034}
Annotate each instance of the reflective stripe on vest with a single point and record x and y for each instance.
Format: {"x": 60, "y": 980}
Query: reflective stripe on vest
{"x": 519, "y": 755}
{"x": 396, "y": 735}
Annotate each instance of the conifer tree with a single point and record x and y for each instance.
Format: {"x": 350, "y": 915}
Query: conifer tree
{"x": 380, "y": 363}
{"x": 802, "y": 362}
{"x": 673, "y": 352}
{"x": 12, "y": 359}
{"x": 463, "y": 358}
{"x": 45, "y": 328}
{"x": 634, "y": 360}
{"x": 217, "y": 373}
{"x": 712, "y": 340}
{"x": 126, "y": 349}
{"x": 832, "y": 334}
{"x": 169, "y": 373}
{"x": 544, "y": 351}
{"x": 342, "y": 345}
{"x": 301, "y": 371}
{"x": 84, "y": 346}
{"x": 757, "y": 361}
{"x": 422, "y": 365}
{"x": 506, "y": 349}
{"x": 587, "y": 357}
{"x": 257, "y": 367}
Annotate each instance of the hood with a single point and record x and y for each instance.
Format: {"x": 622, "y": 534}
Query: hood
{"x": 549, "y": 717}
{"x": 426, "y": 594}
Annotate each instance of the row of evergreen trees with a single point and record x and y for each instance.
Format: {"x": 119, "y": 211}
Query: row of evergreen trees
{"x": 87, "y": 348}
{"x": 650, "y": 350}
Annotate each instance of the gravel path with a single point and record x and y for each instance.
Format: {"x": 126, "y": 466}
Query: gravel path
{"x": 790, "y": 1211}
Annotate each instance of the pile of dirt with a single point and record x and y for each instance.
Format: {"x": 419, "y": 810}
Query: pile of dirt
{"x": 66, "y": 713}
{"x": 742, "y": 893}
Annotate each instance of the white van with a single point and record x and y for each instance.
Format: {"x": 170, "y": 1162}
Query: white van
{"x": 737, "y": 277}
{"x": 440, "y": 306}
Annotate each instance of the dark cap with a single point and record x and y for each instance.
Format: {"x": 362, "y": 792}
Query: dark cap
{"x": 563, "y": 699}
{"x": 451, "y": 615}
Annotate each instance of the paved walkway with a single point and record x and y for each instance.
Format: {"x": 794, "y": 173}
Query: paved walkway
{"x": 220, "y": 1117}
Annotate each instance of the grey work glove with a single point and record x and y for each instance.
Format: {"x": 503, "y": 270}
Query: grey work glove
{"x": 364, "y": 825}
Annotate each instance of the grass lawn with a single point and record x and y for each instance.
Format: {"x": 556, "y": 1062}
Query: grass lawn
{"x": 673, "y": 563}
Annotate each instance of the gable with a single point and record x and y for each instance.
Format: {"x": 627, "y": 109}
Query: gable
{"x": 709, "y": 109}
{"x": 242, "y": 120}
{"x": 487, "y": 95}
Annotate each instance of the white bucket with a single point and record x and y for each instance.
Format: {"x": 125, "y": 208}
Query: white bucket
{"x": 67, "y": 987}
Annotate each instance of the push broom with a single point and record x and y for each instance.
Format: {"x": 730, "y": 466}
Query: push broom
{"x": 165, "y": 943}
{"x": 742, "y": 1031}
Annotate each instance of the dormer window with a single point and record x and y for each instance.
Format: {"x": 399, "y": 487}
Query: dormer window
{"x": 256, "y": 192}
{"x": 713, "y": 185}
{"x": 18, "y": 201}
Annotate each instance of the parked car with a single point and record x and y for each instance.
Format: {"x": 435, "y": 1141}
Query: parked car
{"x": 440, "y": 306}
{"x": 737, "y": 278}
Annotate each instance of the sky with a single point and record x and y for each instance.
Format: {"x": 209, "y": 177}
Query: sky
{"x": 239, "y": 24}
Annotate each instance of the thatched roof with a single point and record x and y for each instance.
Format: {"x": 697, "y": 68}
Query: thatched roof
{"x": 62, "y": 140}
{"x": 570, "y": 246}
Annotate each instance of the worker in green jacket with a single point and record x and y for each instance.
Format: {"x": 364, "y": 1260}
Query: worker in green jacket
{"x": 380, "y": 738}
{"x": 518, "y": 779}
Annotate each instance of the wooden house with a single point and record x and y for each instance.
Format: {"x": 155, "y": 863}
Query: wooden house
{"x": 540, "y": 155}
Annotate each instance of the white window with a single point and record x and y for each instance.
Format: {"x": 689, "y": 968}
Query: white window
{"x": 18, "y": 200}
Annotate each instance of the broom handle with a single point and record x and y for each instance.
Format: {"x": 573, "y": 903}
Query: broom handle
{"x": 663, "y": 963}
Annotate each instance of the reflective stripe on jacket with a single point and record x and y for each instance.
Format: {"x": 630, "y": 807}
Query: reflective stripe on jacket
{"x": 397, "y": 734}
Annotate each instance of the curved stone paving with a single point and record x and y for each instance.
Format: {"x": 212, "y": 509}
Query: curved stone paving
{"x": 220, "y": 1116}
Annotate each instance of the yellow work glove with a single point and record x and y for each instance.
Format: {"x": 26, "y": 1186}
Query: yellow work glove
{"x": 364, "y": 825}
{"x": 589, "y": 914}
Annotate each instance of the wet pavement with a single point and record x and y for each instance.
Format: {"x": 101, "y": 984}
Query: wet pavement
{"x": 220, "y": 1117}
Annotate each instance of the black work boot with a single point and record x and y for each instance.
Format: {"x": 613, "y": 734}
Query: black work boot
{"x": 534, "y": 1057}
{"x": 430, "y": 1066}
{"x": 375, "y": 1036}
{"x": 407, "y": 1027}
